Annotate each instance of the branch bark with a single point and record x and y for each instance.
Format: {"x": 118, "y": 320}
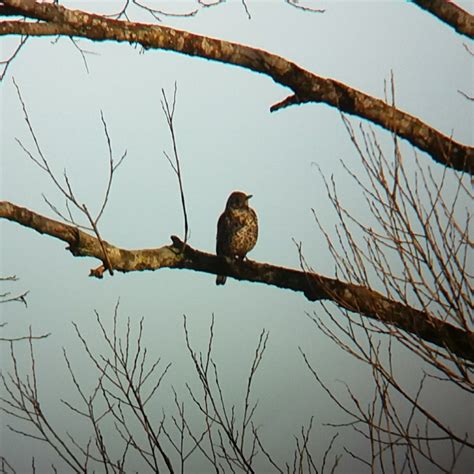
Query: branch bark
{"x": 451, "y": 14}
{"x": 306, "y": 86}
{"x": 315, "y": 287}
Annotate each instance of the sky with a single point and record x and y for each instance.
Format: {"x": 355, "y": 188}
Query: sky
{"x": 227, "y": 140}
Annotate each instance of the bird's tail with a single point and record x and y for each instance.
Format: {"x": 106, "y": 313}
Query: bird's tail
{"x": 220, "y": 280}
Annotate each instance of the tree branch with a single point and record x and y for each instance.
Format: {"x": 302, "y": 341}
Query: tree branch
{"x": 451, "y": 14}
{"x": 306, "y": 86}
{"x": 315, "y": 287}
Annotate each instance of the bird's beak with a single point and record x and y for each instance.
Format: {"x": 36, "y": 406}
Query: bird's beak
{"x": 249, "y": 196}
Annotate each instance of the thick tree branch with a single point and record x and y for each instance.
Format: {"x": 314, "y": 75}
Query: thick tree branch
{"x": 315, "y": 287}
{"x": 306, "y": 86}
{"x": 9, "y": 11}
{"x": 450, "y": 13}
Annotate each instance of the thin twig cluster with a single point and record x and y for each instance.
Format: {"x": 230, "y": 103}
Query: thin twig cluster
{"x": 414, "y": 249}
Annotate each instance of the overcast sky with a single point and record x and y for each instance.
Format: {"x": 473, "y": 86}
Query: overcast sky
{"x": 227, "y": 140}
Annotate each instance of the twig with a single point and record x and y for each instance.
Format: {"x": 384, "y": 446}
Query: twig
{"x": 6, "y": 62}
{"x": 176, "y": 167}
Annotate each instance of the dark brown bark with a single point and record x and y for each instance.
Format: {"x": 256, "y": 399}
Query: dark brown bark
{"x": 451, "y": 14}
{"x": 306, "y": 86}
{"x": 315, "y": 287}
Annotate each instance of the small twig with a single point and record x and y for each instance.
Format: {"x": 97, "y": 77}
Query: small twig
{"x": 24, "y": 338}
{"x": 121, "y": 13}
{"x": 82, "y": 52}
{"x": 169, "y": 114}
{"x": 246, "y": 8}
{"x": 468, "y": 97}
{"x": 112, "y": 167}
{"x": 9, "y": 278}
{"x": 296, "y": 4}
{"x": 19, "y": 298}
{"x": 157, "y": 14}
{"x": 292, "y": 99}
{"x": 6, "y": 298}
{"x": 6, "y": 63}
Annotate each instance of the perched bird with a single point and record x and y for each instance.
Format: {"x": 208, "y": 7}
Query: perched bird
{"x": 237, "y": 229}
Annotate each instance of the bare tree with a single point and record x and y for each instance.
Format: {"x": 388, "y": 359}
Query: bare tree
{"x": 417, "y": 253}
{"x": 121, "y": 410}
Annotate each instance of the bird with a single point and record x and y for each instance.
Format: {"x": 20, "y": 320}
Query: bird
{"x": 237, "y": 229}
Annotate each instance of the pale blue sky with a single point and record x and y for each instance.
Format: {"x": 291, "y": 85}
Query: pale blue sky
{"x": 227, "y": 140}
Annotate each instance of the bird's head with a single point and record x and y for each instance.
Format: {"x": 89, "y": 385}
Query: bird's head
{"x": 238, "y": 200}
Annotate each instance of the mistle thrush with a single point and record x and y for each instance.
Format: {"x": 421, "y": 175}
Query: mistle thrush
{"x": 237, "y": 229}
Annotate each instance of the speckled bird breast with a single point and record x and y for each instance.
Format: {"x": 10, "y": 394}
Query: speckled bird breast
{"x": 242, "y": 231}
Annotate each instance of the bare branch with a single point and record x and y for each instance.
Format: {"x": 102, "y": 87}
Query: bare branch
{"x": 411, "y": 241}
{"x": 451, "y": 14}
{"x": 308, "y": 87}
{"x": 4, "y": 64}
{"x": 66, "y": 189}
{"x": 306, "y": 8}
{"x": 175, "y": 165}
{"x": 315, "y": 287}
{"x": 7, "y": 297}
{"x": 24, "y": 338}
{"x": 466, "y": 96}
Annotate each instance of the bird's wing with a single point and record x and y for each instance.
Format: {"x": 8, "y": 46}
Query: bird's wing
{"x": 223, "y": 229}
{"x": 254, "y": 214}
